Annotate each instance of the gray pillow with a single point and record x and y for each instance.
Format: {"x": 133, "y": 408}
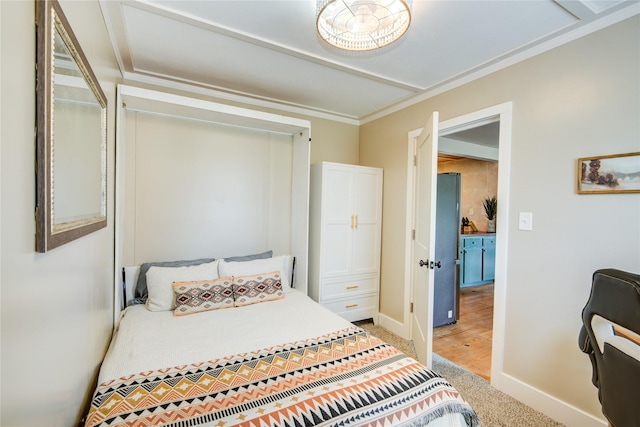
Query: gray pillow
{"x": 141, "y": 291}
{"x": 267, "y": 254}
{"x": 141, "y": 286}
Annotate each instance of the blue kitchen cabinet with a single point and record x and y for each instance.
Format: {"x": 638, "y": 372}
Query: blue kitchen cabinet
{"x": 488, "y": 258}
{"x": 470, "y": 260}
{"x": 477, "y": 259}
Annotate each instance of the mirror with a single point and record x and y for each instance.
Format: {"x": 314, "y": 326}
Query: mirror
{"x": 71, "y": 136}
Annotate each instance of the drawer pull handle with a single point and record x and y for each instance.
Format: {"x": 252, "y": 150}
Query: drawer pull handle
{"x": 350, "y": 305}
{"x": 353, "y": 287}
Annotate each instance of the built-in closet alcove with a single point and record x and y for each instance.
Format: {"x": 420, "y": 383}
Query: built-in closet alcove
{"x": 199, "y": 179}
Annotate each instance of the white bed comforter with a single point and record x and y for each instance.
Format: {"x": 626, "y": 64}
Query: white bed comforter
{"x": 147, "y": 340}
{"x": 321, "y": 371}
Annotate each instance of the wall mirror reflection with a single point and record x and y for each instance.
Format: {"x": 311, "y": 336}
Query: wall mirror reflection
{"x": 71, "y": 136}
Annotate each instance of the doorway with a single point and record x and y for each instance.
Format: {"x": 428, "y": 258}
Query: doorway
{"x": 467, "y": 340}
{"x": 502, "y": 114}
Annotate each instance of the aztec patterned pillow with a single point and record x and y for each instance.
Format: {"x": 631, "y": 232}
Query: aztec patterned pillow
{"x": 282, "y": 263}
{"x": 257, "y": 288}
{"x": 160, "y": 280}
{"x": 203, "y": 295}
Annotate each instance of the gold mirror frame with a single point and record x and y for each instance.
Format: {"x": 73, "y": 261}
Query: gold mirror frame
{"x": 71, "y": 135}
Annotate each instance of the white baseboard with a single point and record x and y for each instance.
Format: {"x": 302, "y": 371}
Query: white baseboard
{"x": 393, "y": 326}
{"x": 545, "y": 403}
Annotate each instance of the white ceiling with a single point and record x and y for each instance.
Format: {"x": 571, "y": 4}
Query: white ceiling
{"x": 486, "y": 135}
{"x": 267, "y": 52}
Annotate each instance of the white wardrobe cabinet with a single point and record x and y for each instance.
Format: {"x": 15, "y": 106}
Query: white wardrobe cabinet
{"x": 344, "y": 244}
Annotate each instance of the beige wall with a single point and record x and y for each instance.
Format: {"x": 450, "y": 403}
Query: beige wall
{"x": 577, "y": 100}
{"x": 56, "y": 308}
{"x": 334, "y": 142}
{"x": 479, "y": 181}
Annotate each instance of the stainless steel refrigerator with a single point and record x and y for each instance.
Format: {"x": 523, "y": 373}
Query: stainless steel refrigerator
{"x": 446, "y": 278}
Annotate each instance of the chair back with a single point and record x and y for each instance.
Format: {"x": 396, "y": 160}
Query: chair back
{"x": 610, "y": 335}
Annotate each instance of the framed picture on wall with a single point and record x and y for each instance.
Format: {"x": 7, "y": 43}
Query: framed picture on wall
{"x": 616, "y": 173}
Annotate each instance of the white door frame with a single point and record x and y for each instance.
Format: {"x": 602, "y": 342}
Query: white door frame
{"x": 503, "y": 113}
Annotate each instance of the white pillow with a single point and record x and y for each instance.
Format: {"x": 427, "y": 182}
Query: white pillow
{"x": 160, "y": 282}
{"x": 282, "y": 263}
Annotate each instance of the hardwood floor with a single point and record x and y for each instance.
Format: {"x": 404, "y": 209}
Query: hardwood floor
{"x": 468, "y": 342}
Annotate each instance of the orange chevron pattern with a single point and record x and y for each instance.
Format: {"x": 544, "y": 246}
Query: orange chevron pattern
{"x": 349, "y": 376}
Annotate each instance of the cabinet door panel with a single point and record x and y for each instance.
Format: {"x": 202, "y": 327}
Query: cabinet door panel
{"x": 367, "y": 207}
{"x": 366, "y": 250}
{"x": 336, "y": 250}
{"x": 338, "y": 194}
{"x": 472, "y": 271}
{"x": 366, "y": 196}
{"x": 489, "y": 258}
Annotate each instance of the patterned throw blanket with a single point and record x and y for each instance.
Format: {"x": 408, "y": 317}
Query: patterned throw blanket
{"x": 347, "y": 378}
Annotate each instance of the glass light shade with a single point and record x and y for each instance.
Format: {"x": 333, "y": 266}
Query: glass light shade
{"x": 361, "y": 25}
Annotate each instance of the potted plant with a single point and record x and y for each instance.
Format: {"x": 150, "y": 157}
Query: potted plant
{"x": 490, "y": 205}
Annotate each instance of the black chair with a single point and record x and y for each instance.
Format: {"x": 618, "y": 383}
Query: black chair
{"x": 610, "y": 335}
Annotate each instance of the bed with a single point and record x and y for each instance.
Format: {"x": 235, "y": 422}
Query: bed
{"x": 259, "y": 354}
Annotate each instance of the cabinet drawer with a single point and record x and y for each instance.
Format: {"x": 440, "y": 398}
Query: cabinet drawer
{"x": 349, "y": 287}
{"x": 472, "y": 242}
{"x": 355, "y": 308}
{"x": 488, "y": 241}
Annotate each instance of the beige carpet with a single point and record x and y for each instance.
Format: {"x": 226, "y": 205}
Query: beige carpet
{"x": 494, "y": 408}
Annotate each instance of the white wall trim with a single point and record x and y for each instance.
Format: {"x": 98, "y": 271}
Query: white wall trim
{"x": 141, "y": 99}
{"x": 474, "y": 151}
{"x": 118, "y": 302}
{"x": 502, "y": 240}
{"x": 393, "y": 326}
{"x": 545, "y": 403}
{"x": 503, "y": 113}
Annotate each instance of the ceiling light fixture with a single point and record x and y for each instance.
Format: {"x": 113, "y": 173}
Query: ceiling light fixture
{"x": 362, "y": 25}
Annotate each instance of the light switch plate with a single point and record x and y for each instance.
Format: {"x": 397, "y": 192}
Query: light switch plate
{"x": 525, "y": 221}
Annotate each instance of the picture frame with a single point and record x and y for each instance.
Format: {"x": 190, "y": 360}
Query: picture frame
{"x": 610, "y": 174}
{"x": 71, "y": 135}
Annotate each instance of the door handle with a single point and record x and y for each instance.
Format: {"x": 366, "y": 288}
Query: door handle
{"x": 432, "y": 265}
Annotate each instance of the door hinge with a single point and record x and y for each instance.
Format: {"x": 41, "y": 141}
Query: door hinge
{"x": 415, "y": 160}
{"x": 413, "y": 234}
{"x": 410, "y": 307}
